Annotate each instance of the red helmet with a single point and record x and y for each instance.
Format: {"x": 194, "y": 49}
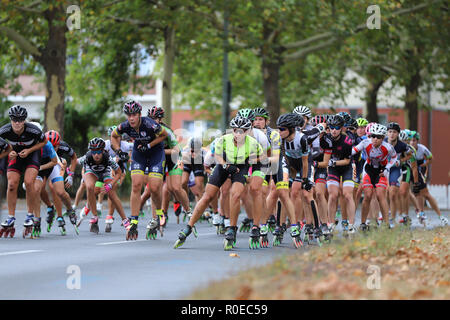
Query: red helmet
{"x": 54, "y": 137}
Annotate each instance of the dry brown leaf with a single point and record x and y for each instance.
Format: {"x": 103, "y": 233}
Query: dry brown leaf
{"x": 421, "y": 293}
{"x": 244, "y": 293}
{"x": 235, "y": 255}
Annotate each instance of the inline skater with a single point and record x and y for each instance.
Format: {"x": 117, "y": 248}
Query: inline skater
{"x": 148, "y": 153}
{"x": 380, "y": 157}
{"x": 235, "y": 153}
{"x": 273, "y": 172}
{"x": 174, "y": 178}
{"x": 295, "y": 149}
{"x": 404, "y": 153}
{"x": 253, "y": 199}
{"x": 26, "y": 140}
{"x": 56, "y": 183}
{"x": 337, "y": 148}
{"x": 125, "y": 147}
{"x": 424, "y": 158}
{"x": 98, "y": 165}
{"x": 193, "y": 156}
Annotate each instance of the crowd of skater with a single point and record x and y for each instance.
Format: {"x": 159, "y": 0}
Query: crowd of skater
{"x": 300, "y": 177}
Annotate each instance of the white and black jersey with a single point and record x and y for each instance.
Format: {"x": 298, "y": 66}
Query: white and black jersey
{"x": 30, "y": 136}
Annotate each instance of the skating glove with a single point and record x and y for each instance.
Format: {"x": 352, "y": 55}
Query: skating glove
{"x": 230, "y": 168}
{"x": 108, "y": 187}
{"x": 69, "y": 181}
{"x": 332, "y": 163}
{"x": 123, "y": 155}
{"x": 307, "y": 184}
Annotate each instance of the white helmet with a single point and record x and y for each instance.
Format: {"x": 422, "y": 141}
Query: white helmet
{"x": 378, "y": 129}
{"x": 37, "y": 124}
{"x": 403, "y": 135}
{"x": 303, "y": 111}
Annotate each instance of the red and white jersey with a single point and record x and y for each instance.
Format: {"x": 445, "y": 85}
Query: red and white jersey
{"x": 383, "y": 156}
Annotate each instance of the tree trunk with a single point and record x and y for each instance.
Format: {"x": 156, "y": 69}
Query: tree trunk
{"x": 169, "y": 59}
{"x": 53, "y": 60}
{"x": 370, "y": 111}
{"x": 411, "y": 104}
{"x": 271, "y": 64}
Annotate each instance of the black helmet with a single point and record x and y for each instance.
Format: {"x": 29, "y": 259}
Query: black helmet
{"x": 345, "y": 115}
{"x": 290, "y": 120}
{"x": 335, "y": 120}
{"x": 156, "y": 112}
{"x": 131, "y": 107}
{"x": 240, "y": 122}
{"x": 394, "y": 126}
{"x": 96, "y": 144}
{"x": 17, "y": 113}
{"x": 352, "y": 123}
{"x": 261, "y": 112}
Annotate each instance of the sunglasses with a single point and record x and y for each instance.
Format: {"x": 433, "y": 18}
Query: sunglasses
{"x": 377, "y": 136}
{"x": 19, "y": 120}
{"x": 334, "y": 128}
{"x": 96, "y": 151}
{"x": 240, "y": 131}
{"x": 282, "y": 129}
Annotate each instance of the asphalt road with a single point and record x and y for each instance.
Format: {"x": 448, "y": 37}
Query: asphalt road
{"x": 105, "y": 266}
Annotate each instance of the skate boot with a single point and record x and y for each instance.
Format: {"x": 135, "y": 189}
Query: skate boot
{"x": 422, "y": 218}
{"x": 295, "y": 234}
{"x": 131, "y": 228}
{"x": 207, "y": 216}
{"x": 184, "y": 234}
{"x": 318, "y": 236}
{"x": 94, "y": 224}
{"x": 246, "y": 224}
{"x": 7, "y": 227}
{"x": 83, "y": 214}
{"x": 444, "y": 221}
{"x": 271, "y": 223}
{"x": 61, "y": 225}
{"x": 309, "y": 233}
{"x": 50, "y": 217}
{"x": 36, "y": 233}
{"x": 230, "y": 238}
{"x": 344, "y": 228}
{"x": 99, "y": 210}
{"x": 351, "y": 230}
{"x": 187, "y": 215}
{"x": 28, "y": 226}
{"x": 108, "y": 223}
{"x": 73, "y": 219}
{"x": 364, "y": 227}
{"x": 391, "y": 223}
{"x": 264, "y": 240}
{"x": 253, "y": 242}
{"x": 327, "y": 235}
{"x": 218, "y": 222}
{"x": 177, "y": 210}
{"x": 152, "y": 227}
{"x": 338, "y": 216}
{"x": 277, "y": 236}
{"x": 405, "y": 220}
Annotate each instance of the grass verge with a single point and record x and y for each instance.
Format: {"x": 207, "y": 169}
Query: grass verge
{"x": 411, "y": 264}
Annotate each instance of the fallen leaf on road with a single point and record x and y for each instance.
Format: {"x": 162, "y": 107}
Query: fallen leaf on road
{"x": 235, "y": 255}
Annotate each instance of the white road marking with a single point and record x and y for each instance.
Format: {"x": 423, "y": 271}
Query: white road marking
{"x": 19, "y": 252}
{"x": 118, "y": 242}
